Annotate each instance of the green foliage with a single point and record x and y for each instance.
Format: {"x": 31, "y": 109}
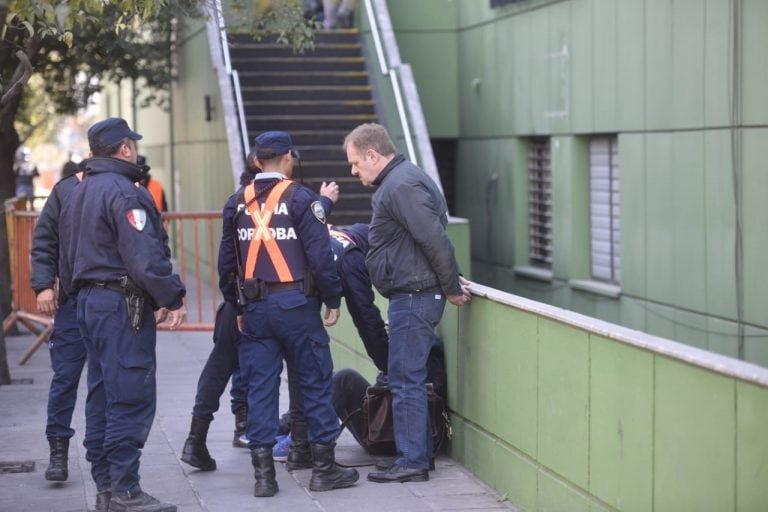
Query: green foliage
{"x": 84, "y": 43}
{"x": 281, "y": 20}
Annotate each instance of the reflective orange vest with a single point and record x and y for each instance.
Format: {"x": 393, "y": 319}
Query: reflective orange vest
{"x": 267, "y": 229}
{"x": 155, "y": 189}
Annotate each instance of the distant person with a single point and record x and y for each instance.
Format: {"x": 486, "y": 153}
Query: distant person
{"x": 412, "y": 263}
{"x": 153, "y": 186}
{"x": 25, "y": 172}
{"x": 338, "y": 13}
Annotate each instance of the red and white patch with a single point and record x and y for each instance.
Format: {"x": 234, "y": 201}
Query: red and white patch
{"x": 137, "y": 218}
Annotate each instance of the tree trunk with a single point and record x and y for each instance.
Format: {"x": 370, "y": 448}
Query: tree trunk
{"x": 9, "y": 141}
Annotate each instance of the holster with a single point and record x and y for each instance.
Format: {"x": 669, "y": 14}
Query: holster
{"x": 254, "y": 289}
{"x": 310, "y": 290}
{"x": 134, "y": 301}
{"x": 242, "y": 300}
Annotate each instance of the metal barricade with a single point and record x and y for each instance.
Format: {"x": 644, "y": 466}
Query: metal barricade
{"x": 20, "y": 225}
{"x": 194, "y": 239}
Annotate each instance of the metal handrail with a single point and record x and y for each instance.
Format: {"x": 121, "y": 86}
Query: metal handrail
{"x": 240, "y": 111}
{"x": 231, "y": 96}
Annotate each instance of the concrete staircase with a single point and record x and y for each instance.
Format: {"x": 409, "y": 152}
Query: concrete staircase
{"x": 317, "y": 97}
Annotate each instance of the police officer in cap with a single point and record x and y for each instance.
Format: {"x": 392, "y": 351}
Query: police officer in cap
{"x": 115, "y": 258}
{"x": 275, "y": 237}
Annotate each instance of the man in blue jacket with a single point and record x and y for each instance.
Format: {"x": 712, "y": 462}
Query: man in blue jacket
{"x": 115, "y": 258}
{"x": 411, "y": 262}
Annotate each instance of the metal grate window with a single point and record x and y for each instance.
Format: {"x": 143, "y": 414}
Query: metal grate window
{"x": 604, "y": 218}
{"x": 539, "y": 204}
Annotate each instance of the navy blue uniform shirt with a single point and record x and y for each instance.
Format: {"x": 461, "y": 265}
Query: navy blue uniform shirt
{"x": 109, "y": 228}
{"x": 45, "y": 240}
{"x": 312, "y": 233}
{"x": 358, "y": 292}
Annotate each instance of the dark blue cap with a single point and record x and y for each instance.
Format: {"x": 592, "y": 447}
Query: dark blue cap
{"x": 269, "y": 145}
{"x": 108, "y": 132}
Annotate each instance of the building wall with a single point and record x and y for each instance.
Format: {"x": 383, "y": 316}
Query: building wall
{"x": 690, "y": 115}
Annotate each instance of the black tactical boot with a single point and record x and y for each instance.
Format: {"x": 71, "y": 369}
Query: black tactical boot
{"x": 263, "y": 472}
{"x": 57, "y": 468}
{"x": 137, "y": 501}
{"x": 299, "y": 454}
{"x": 241, "y": 416}
{"x": 102, "y": 501}
{"x": 195, "y": 452}
{"x": 326, "y": 475}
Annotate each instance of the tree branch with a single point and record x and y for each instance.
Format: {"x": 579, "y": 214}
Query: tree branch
{"x": 20, "y": 78}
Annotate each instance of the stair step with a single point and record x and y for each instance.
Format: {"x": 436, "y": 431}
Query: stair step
{"x": 314, "y": 137}
{"x": 316, "y": 153}
{"x": 237, "y": 52}
{"x": 299, "y": 64}
{"x": 312, "y": 92}
{"x": 249, "y": 78}
{"x": 340, "y": 36}
{"x": 312, "y": 122}
{"x": 318, "y": 107}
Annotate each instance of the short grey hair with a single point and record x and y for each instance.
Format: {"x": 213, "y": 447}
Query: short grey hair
{"x": 370, "y": 136}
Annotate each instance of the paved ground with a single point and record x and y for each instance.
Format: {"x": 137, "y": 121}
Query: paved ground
{"x": 228, "y": 489}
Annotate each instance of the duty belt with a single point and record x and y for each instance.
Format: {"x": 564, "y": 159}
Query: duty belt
{"x": 117, "y": 286}
{"x": 256, "y": 290}
{"x": 134, "y": 298}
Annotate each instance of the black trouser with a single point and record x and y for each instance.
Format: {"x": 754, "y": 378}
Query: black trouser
{"x": 222, "y": 363}
{"x": 348, "y": 392}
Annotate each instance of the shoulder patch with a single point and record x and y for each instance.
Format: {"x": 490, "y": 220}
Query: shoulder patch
{"x": 137, "y": 218}
{"x": 318, "y": 211}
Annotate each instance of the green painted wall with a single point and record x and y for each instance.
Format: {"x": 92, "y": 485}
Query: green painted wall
{"x": 558, "y": 411}
{"x": 427, "y": 38}
{"x": 690, "y": 113}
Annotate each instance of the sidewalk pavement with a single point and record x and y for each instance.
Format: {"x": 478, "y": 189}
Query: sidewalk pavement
{"x": 181, "y": 356}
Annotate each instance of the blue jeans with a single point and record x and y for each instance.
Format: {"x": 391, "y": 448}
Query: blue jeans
{"x": 412, "y": 321}
{"x": 286, "y": 325}
{"x": 67, "y": 352}
{"x": 122, "y": 390}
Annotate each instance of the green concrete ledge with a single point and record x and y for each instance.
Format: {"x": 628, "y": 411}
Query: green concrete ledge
{"x": 563, "y": 412}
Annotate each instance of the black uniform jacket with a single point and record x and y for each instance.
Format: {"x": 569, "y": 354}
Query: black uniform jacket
{"x": 110, "y": 228}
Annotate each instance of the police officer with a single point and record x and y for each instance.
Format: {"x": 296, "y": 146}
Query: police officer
{"x": 115, "y": 258}
{"x": 350, "y": 244}
{"x": 223, "y": 361}
{"x": 275, "y": 238}
{"x": 65, "y": 345}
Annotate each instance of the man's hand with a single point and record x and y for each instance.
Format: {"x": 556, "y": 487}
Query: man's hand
{"x": 331, "y": 316}
{"x": 240, "y": 322}
{"x": 330, "y": 190}
{"x": 176, "y": 317}
{"x": 160, "y": 315}
{"x": 465, "y": 295}
{"x": 46, "y": 302}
